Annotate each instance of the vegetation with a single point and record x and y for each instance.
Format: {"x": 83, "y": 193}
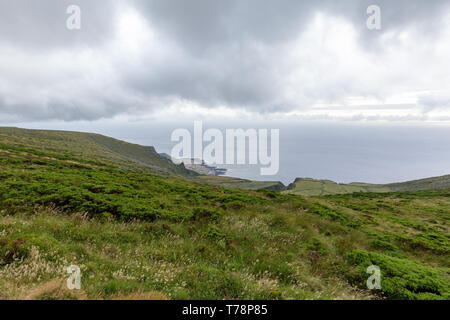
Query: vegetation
{"x": 230, "y": 182}
{"x": 313, "y": 187}
{"x": 144, "y": 230}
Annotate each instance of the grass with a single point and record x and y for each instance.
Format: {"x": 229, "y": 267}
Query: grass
{"x": 137, "y": 233}
{"x": 230, "y": 182}
{"x": 239, "y": 256}
{"x": 313, "y": 187}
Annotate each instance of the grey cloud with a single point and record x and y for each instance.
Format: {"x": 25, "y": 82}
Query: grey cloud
{"x": 204, "y": 24}
{"x": 42, "y": 24}
{"x": 224, "y": 53}
{"x": 233, "y": 77}
{"x": 431, "y": 102}
{"x": 206, "y": 30}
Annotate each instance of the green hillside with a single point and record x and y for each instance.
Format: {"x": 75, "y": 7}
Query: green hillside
{"x": 102, "y": 150}
{"x": 230, "y": 182}
{"x": 313, "y": 187}
{"x": 142, "y": 228}
{"x": 90, "y": 148}
{"x": 422, "y": 184}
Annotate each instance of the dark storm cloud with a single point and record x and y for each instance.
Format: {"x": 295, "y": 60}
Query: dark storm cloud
{"x": 232, "y": 53}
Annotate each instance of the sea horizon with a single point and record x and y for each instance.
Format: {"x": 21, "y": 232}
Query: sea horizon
{"x": 379, "y": 154}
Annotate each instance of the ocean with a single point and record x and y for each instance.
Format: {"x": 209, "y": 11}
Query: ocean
{"x": 342, "y": 152}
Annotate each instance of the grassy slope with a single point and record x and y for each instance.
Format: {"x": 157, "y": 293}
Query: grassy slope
{"x": 142, "y": 235}
{"x": 312, "y": 187}
{"x": 230, "y": 182}
{"x": 91, "y": 148}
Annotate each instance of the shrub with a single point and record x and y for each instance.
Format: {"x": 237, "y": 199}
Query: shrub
{"x": 401, "y": 278}
{"x": 214, "y": 233}
{"x": 205, "y": 214}
{"x": 13, "y": 250}
{"x": 316, "y": 245}
{"x": 436, "y": 242}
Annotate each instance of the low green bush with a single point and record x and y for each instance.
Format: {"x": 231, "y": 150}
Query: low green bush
{"x": 401, "y": 278}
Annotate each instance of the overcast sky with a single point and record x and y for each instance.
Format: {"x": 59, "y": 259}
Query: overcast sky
{"x": 234, "y": 59}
